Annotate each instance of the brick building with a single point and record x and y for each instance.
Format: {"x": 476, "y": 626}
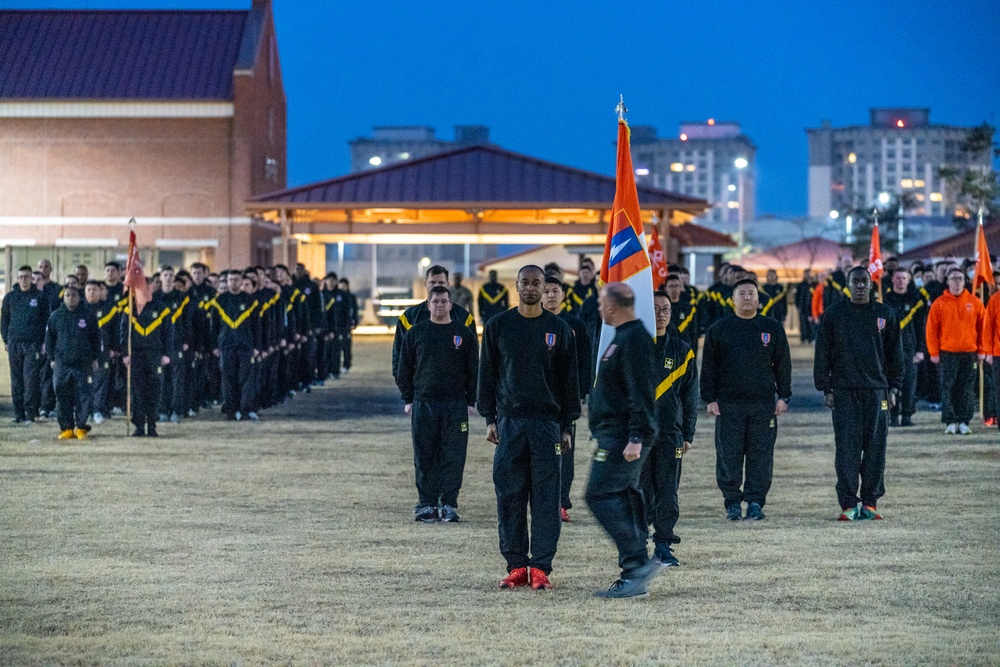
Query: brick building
{"x": 173, "y": 117}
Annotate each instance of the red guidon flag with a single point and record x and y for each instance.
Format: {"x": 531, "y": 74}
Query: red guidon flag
{"x": 135, "y": 279}
{"x": 984, "y": 269}
{"x": 657, "y": 259}
{"x": 875, "y": 258}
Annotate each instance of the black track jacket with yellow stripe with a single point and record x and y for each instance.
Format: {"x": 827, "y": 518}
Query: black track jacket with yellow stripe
{"x": 675, "y": 388}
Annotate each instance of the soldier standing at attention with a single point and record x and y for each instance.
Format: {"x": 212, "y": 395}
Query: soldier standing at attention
{"x": 74, "y": 343}
{"x": 151, "y": 345}
{"x": 776, "y": 306}
{"x": 438, "y": 370}
{"x": 675, "y": 379}
{"x": 237, "y": 345}
{"x": 107, "y": 314}
{"x": 621, "y": 420}
{"x": 493, "y": 298}
{"x": 529, "y": 395}
{"x": 858, "y": 367}
{"x": 347, "y": 320}
{"x": 23, "y": 317}
{"x": 746, "y": 365}
{"x": 434, "y": 276}
{"x": 684, "y": 318}
{"x": 553, "y": 299}
{"x": 911, "y": 311}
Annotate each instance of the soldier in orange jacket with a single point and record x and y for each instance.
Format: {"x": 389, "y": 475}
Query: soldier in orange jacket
{"x": 954, "y": 341}
{"x": 991, "y": 342}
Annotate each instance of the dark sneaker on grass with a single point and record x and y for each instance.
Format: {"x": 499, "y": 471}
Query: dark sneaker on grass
{"x": 426, "y": 514}
{"x": 734, "y": 512}
{"x": 754, "y": 512}
{"x": 448, "y": 514}
{"x": 869, "y": 513}
{"x": 624, "y": 588}
{"x": 515, "y": 578}
{"x": 665, "y": 555}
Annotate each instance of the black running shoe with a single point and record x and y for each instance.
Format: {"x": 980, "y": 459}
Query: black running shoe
{"x": 734, "y": 512}
{"x": 448, "y": 514}
{"x": 754, "y": 512}
{"x": 427, "y": 514}
{"x": 666, "y": 556}
{"x": 138, "y": 432}
{"x": 624, "y": 588}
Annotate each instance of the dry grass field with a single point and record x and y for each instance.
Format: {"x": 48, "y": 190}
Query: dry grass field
{"x": 290, "y": 541}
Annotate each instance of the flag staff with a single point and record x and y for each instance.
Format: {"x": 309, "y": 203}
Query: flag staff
{"x": 131, "y": 314}
{"x": 982, "y": 291}
{"x": 621, "y": 108}
{"x": 876, "y": 235}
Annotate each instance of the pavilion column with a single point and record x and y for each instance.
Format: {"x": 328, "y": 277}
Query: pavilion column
{"x": 284, "y": 237}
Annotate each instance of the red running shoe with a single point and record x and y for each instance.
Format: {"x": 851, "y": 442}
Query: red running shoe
{"x": 564, "y": 514}
{"x": 539, "y": 580}
{"x": 516, "y": 578}
{"x": 992, "y": 421}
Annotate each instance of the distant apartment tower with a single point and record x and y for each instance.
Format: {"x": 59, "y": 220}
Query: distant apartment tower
{"x": 397, "y": 143}
{"x": 702, "y": 162}
{"x": 898, "y": 152}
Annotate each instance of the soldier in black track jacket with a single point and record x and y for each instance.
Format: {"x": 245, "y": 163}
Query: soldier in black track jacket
{"x": 776, "y": 303}
{"x": 23, "y": 317}
{"x": 621, "y": 420}
{"x": 174, "y": 377}
{"x": 438, "y": 372}
{"x": 859, "y": 368}
{"x": 493, "y": 298}
{"x": 529, "y": 395}
{"x": 553, "y": 300}
{"x": 685, "y": 320}
{"x": 237, "y": 345}
{"x": 675, "y": 382}
{"x": 746, "y": 366}
{"x": 911, "y": 307}
{"x": 73, "y": 340}
{"x": 108, "y": 317}
{"x": 152, "y": 341}
{"x": 434, "y": 276}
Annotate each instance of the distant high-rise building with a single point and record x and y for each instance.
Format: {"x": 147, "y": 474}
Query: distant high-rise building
{"x": 898, "y": 152}
{"x": 712, "y": 160}
{"x": 397, "y": 143}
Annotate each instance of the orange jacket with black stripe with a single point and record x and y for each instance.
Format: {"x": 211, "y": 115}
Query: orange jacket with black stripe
{"x": 955, "y": 324}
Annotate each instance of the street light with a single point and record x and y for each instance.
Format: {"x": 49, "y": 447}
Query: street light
{"x": 741, "y": 164}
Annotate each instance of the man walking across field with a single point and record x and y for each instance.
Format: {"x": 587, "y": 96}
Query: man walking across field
{"x": 859, "y": 368}
{"x": 438, "y": 369}
{"x": 954, "y": 339}
{"x": 529, "y": 395}
{"x": 621, "y": 420}
{"x": 746, "y": 366}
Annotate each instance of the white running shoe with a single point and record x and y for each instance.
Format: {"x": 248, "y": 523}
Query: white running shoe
{"x": 964, "y": 429}
{"x": 98, "y": 418}
{"x": 952, "y": 429}
{"x": 252, "y": 416}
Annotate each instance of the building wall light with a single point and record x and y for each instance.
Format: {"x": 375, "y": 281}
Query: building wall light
{"x": 852, "y": 158}
{"x": 375, "y": 160}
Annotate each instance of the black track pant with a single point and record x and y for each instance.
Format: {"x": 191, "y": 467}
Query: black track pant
{"x": 744, "y": 438}
{"x": 526, "y": 472}
{"x": 996, "y": 388}
{"x": 908, "y": 397}
{"x": 101, "y": 387}
{"x": 72, "y": 388}
{"x": 616, "y": 502}
{"x": 48, "y": 402}
{"x": 806, "y": 328}
{"x": 25, "y": 378}
{"x": 236, "y": 368}
{"x": 958, "y": 386}
{"x": 173, "y": 389}
{"x": 661, "y": 474}
{"x": 440, "y": 441}
{"x": 860, "y": 426}
{"x": 567, "y": 472}
{"x": 145, "y": 388}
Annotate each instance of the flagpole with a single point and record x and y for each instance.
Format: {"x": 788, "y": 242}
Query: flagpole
{"x": 131, "y": 312}
{"x": 982, "y": 288}
{"x": 878, "y": 281}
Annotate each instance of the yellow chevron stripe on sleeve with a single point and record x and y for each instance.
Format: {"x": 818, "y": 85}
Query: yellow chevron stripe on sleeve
{"x": 672, "y": 378}
{"x": 687, "y": 320}
{"x": 909, "y": 316}
{"x": 469, "y": 320}
{"x": 492, "y": 300}
{"x": 405, "y": 322}
{"x": 107, "y": 318}
{"x": 180, "y": 310}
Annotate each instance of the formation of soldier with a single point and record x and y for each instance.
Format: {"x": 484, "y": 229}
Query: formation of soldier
{"x": 245, "y": 340}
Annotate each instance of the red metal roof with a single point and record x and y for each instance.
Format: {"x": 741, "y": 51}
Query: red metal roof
{"x": 962, "y": 244}
{"x": 149, "y": 55}
{"x": 689, "y": 235}
{"x": 482, "y": 173}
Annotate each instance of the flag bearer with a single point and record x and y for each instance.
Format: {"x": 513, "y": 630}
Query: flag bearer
{"x": 151, "y": 345}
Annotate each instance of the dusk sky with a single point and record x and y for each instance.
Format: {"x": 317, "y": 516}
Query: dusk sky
{"x": 545, "y": 76}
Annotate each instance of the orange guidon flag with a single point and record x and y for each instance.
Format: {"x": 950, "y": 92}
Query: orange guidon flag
{"x": 984, "y": 269}
{"x": 875, "y": 257}
{"x": 625, "y": 255}
{"x": 135, "y": 278}
{"x": 657, "y": 259}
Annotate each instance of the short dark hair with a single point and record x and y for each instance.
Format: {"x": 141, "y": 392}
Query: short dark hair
{"x": 96, "y": 283}
{"x": 114, "y": 264}
{"x": 436, "y": 270}
{"x": 954, "y": 269}
{"x": 856, "y": 269}
{"x": 345, "y": 281}
{"x": 552, "y": 280}
{"x": 660, "y": 293}
{"x": 26, "y": 268}
{"x": 439, "y": 289}
{"x": 898, "y": 269}
{"x": 332, "y": 274}
{"x": 530, "y": 267}
{"x": 672, "y": 276}
{"x": 183, "y": 274}
{"x": 71, "y": 288}
{"x": 745, "y": 281}
{"x": 282, "y": 267}
{"x": 200, "y": 265}
{"x": 551, "y": 266}
{"x": 165, "y": 267}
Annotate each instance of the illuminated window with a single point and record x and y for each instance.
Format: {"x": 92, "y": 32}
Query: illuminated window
{"x": 936, "y": 196}
{"x": 676, "y": 166}
{"x": 404, "y": 156}
{"x": 919, "y": 183}
{"x": 733, "y": 204}
{"x": 642, "y": 171}
{"x": 852, "y": 158}
{"x": 920, "y": 197}
{"x": 689, "y": 167}
{"x": 906, "y": 183}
